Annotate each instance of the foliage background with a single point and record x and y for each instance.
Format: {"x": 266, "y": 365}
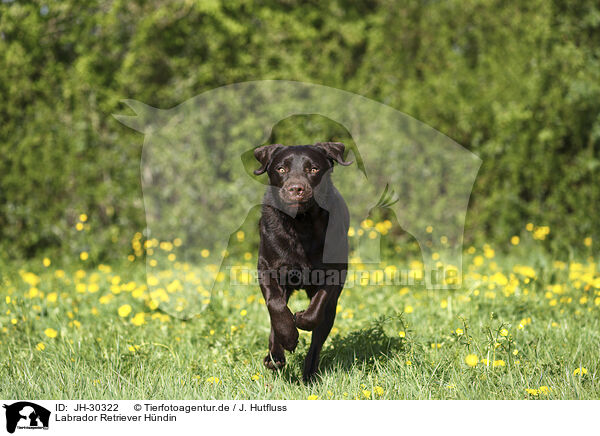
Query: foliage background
{"x": 518, "y": 84}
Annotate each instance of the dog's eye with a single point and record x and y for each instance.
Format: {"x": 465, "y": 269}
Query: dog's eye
{"x": 281, "y": 170}
{"x": 314, "y": 170}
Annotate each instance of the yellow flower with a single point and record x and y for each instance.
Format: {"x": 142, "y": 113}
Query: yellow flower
{"x": 580, "y": 370}
{"x": 256, "y": 376}
{"x": 381, "y": 228}
{"x": 83, "y": 217}
{"x": 84, "y": 255}
{"x": 46, "y": 262}
{"x": 367, "y": 394}
{"x": 408, "y": 309}
{"x": 541, "y": 232}
{"x": 50, "y": 332}
{"x": 139, "y": 319}
{"x": 402, "y": 334}
{"x": 40, "y": 346}
{"x": 533, "y": 392}
{"x": 79, "y": 227}
{"x": 133, "y": 348}
{"x": 459, "y": 331}
{"x": 205, "y": 253}
{"x": 243, "y": 312}
{"x": 124, "y": 310}
{"x": 378, "y": 390}
{"x": 471, "y": 360}
{"x": 529, "y": 227}
{"x": 313, "y": 397}
{"x": 408, "y": 363}
{"x": 515, "y": 240}
{"x": 488, "y": 252}
{"x": 526, "y": 271}
{"x": 30, "y": 278}
{"x": 587, "y": 241}
{"x": 498, "y": 363}
{"x": 240, "y": 235}
{"x": 504, "y": 332}
{"x": 545, "y": 390}
{"x": 213, "y": 380}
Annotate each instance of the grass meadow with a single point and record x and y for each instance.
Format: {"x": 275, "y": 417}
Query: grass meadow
{"x": 523, "y": 326}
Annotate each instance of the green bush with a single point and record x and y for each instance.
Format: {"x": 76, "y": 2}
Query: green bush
{"x": 517, "y": 84}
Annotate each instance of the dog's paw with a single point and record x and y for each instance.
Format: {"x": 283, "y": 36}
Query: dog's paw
{"x": 274, "y": 362}
{"x": 286, "y": 332}
{"x": 301, "y": 322}
{"x": 290, "y": 341}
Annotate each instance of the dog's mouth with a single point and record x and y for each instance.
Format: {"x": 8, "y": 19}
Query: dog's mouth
{"x": 295, "y": 200}
{"x": 296, "y": 205}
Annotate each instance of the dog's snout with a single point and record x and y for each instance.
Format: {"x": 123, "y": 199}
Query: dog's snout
{"x": 296, "y": 189}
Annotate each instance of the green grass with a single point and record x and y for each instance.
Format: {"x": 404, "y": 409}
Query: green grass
{"x": 366, "y": 356}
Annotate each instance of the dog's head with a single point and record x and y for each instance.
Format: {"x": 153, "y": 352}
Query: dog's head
{"x": 299, "y": 170}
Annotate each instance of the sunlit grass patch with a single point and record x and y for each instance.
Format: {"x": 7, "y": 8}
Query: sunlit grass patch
{"x": 520, "y": 327}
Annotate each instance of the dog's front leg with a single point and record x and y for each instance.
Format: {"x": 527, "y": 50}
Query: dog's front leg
{"x": 282, "y": 321}
{"x": 310, "y": 318}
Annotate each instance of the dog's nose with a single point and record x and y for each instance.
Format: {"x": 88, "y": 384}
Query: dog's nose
{"x": 296, "y": 189}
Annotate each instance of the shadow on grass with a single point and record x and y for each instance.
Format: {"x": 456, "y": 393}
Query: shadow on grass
{"x": 361, "y": 347}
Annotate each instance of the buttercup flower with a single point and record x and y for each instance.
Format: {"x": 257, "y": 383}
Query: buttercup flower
{"x": 50, "y": 332}
{"x": 471, "y": 360}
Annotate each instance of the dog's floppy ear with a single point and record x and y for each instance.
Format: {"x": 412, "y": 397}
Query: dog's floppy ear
{"x": 263, "y": 155}
{"x": 334, "y": 151}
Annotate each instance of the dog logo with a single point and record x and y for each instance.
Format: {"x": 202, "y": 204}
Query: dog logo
{"x": 26, "y": 415}
{"x": 199, "y": 188}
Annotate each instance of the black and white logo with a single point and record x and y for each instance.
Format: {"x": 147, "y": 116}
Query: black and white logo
{"x": 26, "y": 415}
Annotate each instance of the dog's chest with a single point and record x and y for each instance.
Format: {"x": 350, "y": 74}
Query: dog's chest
{"x": 308, "y": 240}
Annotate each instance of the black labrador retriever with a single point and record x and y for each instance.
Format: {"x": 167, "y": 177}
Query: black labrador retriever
{"x": 303, "y": 245}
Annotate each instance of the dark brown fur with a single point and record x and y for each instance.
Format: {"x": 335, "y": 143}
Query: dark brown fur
{"x": 303, "y": 245}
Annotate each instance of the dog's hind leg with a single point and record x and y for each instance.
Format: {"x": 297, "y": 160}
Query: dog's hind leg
{"x": 319, "y": 335}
